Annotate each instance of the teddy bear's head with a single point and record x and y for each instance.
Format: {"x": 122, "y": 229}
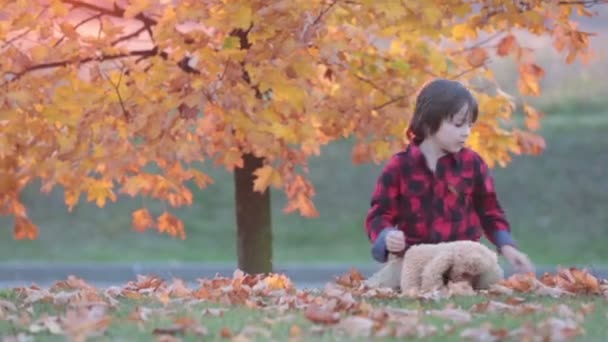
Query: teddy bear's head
{"x": 477, "y": 266}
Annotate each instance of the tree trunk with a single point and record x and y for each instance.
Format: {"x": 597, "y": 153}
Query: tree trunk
{"x": 254, "y": 227}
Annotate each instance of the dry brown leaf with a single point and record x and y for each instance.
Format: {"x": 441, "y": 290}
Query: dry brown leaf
{"x": 82, "y": 322}
{"x": 216, "y": 312}
{"x": 295, "y": 331}
{"x": 51, "y": 324}
{"x": 482, "y": 333}
{"x": 498, "y": 289}
{"x": 462, "y": 288}
{"x": 556, "y": 329}
{"x": 179, "y": 289}
{"x": 458, "y": 316}
{"x": 519, "y": 282}
{"x": 226, "y": 332}
{"x": 321, "y": 315}
{"x": 171, "y": 330}
{"x": 73, "y": 283}
{"x": 544, "y": 290}
{"x": 167, "y": 338}
{"x": 515, "y": 300}
{"x": 7, "y": 306}
{"x": 357, "y": 326}
{"x": 253, "y": 331}
{"x": 352, "y": 279}
{"x": 21, "y": 337}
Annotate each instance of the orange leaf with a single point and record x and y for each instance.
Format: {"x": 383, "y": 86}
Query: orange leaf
{"x": 477, "y": 57}
{"x": 506, "y": 45}
{"x": 168, "y": 223}
{"x": 529, "y": 75}
{"x": 142, "y": 220}
{"x": 24, "y": 229}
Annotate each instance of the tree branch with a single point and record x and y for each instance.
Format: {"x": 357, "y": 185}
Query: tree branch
{"x": 586, "y": 3}
{"x": 375, "y": 86}
{"x": 122, "y": 104}
{"x": 84, "y": 21}
{"x": 390, "y": 102}
{"x": 115, "y": 12}
{"x": 323, "y": 12}
{"x": 130, "y": 35}
{"x": 183, "y": 64}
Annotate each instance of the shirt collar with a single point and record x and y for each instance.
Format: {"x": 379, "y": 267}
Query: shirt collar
{"x": 415, "y": 152}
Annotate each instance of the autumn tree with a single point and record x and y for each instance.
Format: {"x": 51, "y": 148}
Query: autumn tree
{"x": 94, "y": 92}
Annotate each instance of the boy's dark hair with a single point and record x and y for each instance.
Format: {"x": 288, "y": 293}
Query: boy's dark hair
{"x": 438, "y": 100}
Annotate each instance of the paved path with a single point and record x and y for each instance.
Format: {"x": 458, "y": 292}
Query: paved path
{"x": 15, "y": 274}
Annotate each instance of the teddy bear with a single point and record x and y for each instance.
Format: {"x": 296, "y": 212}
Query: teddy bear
{"x": 428, "y": 267}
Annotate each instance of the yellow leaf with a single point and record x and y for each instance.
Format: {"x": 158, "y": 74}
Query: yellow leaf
{"x": 242, "y": 17}
{"x": 230, "y": 159}
{"x": 463, "y": 31}
{"x": 135, "y": 7}
{"x": 276, "y": 281}
{"x": 290, "y": 93}
{"x": 59, "y": 9}
{"x": 266, "y": 175}
{"x": 39, "y": 52}
{"x": 99, "y": 191}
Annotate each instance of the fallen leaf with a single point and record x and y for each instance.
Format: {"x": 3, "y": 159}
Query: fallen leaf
{"x": 482, "y": 333}
{"x": 251, "y": 331}
{"x": 515, "y": 300}
{"x": 555, "y": 329}
{"x": 462, "y": 288}
{"x": 458, "y": 316}
{"x": 352, "y": 279}
{"x": 8, "y": 306}
{"x": 357, "y": 326}
{"x": 226, "y": 332}
{"x": 50, "y": 324}
{"x": 321, "y": 315}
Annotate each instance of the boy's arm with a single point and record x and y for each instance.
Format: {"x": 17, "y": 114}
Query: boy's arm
{"x": 382, "y": 215}
{"x": 491, "y": 214}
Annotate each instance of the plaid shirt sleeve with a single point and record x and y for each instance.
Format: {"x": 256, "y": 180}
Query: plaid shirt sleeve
{"x": 492, "y": 217}
{"x": 383, "y": 212}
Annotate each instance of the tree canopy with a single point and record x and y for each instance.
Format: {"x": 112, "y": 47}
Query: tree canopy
{"x": 96, "y": 92}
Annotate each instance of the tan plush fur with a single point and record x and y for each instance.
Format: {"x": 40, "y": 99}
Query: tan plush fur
{"x": 428, "y": 267}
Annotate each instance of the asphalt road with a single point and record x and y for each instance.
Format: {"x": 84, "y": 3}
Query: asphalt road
{"x": 104, "y": 275}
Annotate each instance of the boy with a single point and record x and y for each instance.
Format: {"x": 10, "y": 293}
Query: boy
{"x": 437, "y": 190}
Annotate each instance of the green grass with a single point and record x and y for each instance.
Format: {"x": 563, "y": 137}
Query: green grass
{"x": 556, "y": 203}
{"x": 276, "y": 326}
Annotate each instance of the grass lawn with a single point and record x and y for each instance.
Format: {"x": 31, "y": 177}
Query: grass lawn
{"x": 556, "y": 203}
{"x": 270, "y": 309}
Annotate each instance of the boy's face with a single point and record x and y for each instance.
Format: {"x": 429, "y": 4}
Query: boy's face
{"x": 452, "y": 134}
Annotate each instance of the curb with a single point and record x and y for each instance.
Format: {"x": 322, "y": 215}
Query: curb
{"x": 38, "y": 272}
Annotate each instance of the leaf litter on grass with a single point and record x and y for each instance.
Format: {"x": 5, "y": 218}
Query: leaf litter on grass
{"x": 171, "y": 310}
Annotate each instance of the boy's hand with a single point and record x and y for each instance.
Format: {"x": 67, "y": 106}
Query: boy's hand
{"x": 520, "y": 262}
{"x": 395, "y": 241}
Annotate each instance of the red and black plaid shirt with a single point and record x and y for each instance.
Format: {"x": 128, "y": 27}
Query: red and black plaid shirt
{"x": 457, "y": 202}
